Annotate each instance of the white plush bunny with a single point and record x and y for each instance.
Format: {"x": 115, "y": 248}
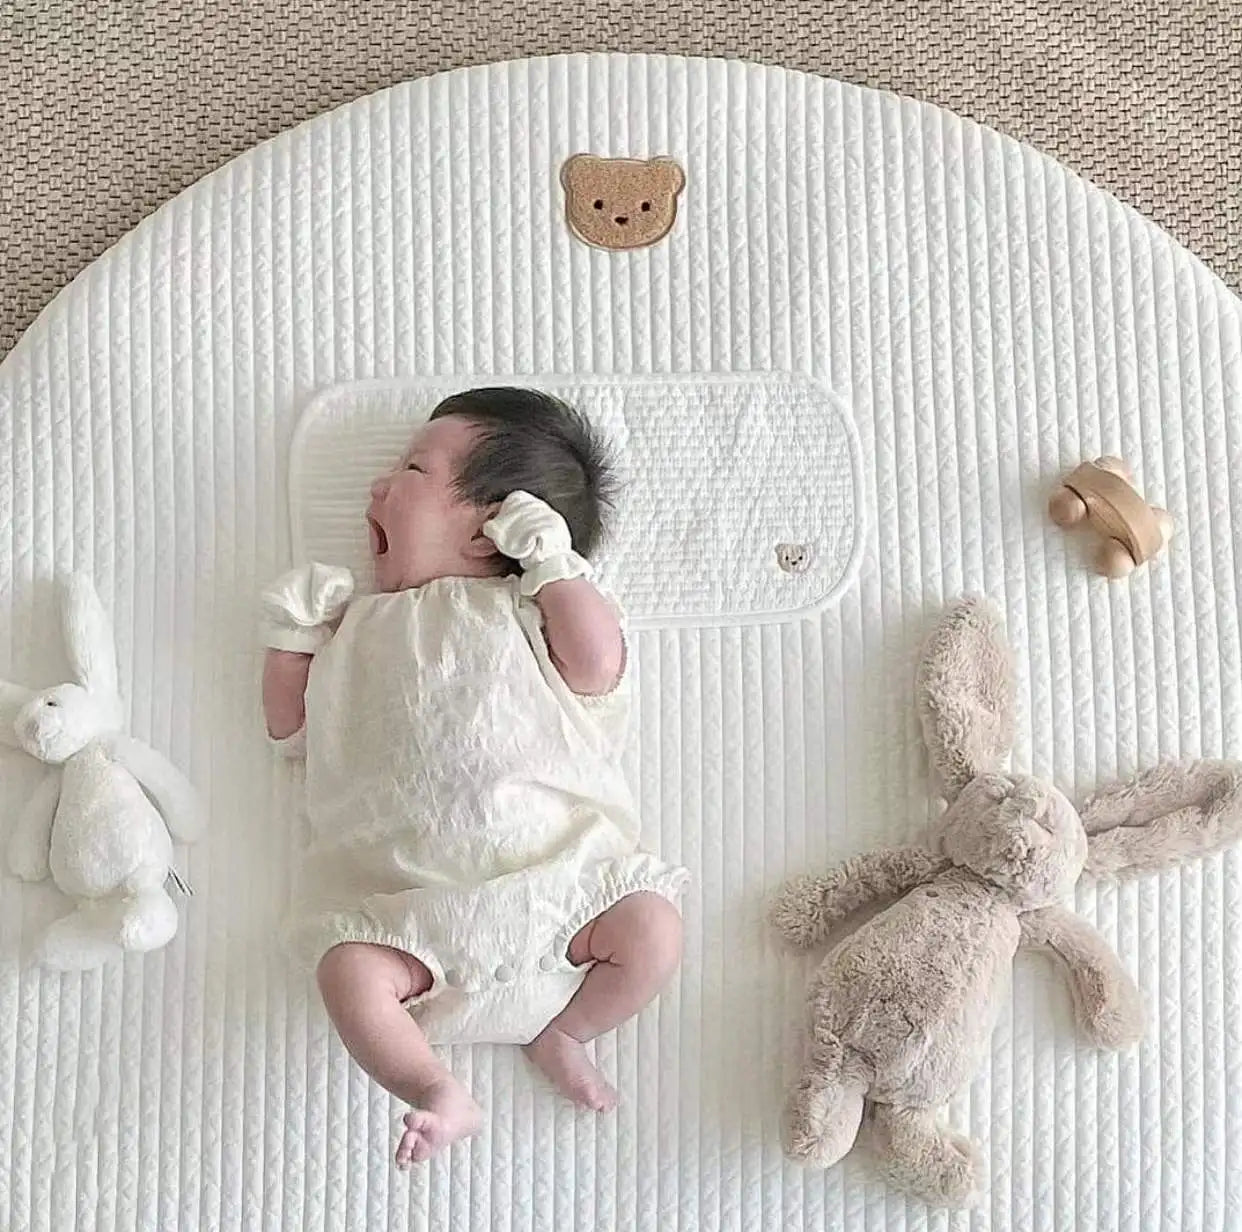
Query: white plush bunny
{"x": 99, "y": 823}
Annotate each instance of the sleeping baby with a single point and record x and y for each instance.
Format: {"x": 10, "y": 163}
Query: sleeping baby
{"x": 473, "y": 873}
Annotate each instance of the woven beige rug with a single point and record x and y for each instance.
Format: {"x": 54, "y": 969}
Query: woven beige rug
{"x": 110, "y": 107}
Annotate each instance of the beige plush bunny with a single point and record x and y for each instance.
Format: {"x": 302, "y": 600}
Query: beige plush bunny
{"x": 900, "y": 1012}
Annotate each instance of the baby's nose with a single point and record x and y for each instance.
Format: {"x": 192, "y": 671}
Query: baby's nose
{"x": 379, "y": 489}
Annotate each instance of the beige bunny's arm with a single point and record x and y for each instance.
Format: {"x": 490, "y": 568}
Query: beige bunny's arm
{"x": 1106, "y": 1000}
{"x": 808, "y": 908}
{"x": 30, "y": 845}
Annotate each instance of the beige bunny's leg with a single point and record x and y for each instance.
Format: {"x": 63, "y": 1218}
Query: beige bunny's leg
{"x": 915, "y": 1154}
{"x": 1106, "y": 1001}
{"x": 825, "y": 1106}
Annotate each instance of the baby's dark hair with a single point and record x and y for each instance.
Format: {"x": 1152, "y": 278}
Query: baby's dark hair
{"x": 532, "y": 442}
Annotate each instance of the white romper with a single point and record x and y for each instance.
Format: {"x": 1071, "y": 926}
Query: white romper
{"x": 465, "y": 805}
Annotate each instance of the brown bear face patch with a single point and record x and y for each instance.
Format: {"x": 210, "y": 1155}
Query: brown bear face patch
{"x": 621, "y": 202}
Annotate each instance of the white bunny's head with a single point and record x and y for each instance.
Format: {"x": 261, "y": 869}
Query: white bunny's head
{"x": 59, "y": 722}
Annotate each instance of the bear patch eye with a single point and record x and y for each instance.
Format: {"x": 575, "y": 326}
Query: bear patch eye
{"x": 599, "y": 205}
{"x": 646, "y": 206}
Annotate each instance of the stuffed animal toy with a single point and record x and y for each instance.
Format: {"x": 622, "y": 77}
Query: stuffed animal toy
{"x": 99, "y": 823}
{"x": 901, "y": 1010}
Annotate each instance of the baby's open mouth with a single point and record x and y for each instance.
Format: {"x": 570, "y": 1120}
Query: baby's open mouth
{"x": 379, "y": 538}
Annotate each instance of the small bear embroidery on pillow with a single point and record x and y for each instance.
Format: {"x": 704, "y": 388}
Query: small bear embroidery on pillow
{"x": 620, "y": 203}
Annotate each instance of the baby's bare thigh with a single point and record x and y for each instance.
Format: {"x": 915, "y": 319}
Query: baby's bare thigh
{"x": 641, "y": 926}
{"x": 360, "y": 970}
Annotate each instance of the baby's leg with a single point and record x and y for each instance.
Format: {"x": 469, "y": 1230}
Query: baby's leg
{"x": 363, "y": 988}
{"x": 635, "y": 946}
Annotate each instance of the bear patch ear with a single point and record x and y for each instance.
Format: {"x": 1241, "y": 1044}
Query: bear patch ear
{"x": 576, "y": 168}
{"x": 669, "y": 173}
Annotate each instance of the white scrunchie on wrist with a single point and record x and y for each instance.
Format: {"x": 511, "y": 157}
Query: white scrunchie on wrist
{"x": 292, "y": 748}
{"x": 531, "y": 532}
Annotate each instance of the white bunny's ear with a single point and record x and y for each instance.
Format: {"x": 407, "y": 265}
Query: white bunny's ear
{"x": 12, "y": 698}
{"x": 1171, "y": 812}
{"x": 88, "y": 636}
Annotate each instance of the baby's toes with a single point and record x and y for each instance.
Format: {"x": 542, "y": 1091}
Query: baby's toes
{"x": 592, "y": 1091}
{"x": 409, "y": 1147}
{"x": 606, "y": 1098}
{"x": 426, "y": 1131}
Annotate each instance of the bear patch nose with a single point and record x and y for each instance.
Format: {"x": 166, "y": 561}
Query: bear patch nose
{"x": 621, "y": 219}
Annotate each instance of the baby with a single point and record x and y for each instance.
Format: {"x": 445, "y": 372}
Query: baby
{"x": 474, "y": 872}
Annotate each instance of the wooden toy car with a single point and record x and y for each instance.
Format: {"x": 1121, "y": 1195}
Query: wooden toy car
{"x": 1102, "y": 495}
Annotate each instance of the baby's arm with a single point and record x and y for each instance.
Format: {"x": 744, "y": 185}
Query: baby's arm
{"x": 581, "y": 627}
{"x": 583, "y": 634}
{"x": 285, "y": 673}
{"x": 298, "y": 614}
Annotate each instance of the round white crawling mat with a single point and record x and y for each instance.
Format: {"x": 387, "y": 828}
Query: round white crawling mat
{"x": 989, "y": 319}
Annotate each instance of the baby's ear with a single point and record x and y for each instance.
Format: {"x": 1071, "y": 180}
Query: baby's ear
{"x": 481, "y": 546}
{"x": 1170, "y": 813}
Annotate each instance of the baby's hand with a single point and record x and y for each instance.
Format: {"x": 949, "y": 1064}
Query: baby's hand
{"x": 528, "y": 530}
{"x": 298, "y": 608}
{"x": 531, "y": 532}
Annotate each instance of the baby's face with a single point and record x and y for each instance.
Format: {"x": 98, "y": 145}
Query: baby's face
{"x": 420, "y": 529}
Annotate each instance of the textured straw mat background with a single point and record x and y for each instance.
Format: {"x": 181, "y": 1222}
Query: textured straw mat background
{"x": 109, "y": 107}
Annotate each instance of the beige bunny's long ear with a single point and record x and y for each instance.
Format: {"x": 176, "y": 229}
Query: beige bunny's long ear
{"x": 1171, "y": 812}
{"x": 965, "y": 694}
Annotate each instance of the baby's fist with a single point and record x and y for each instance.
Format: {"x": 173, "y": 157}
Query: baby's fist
{"x": 528, "y": 530}
{"x": 297, "y": 608}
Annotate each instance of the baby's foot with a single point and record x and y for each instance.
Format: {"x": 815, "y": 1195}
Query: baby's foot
{"x": 564, "y": 1060}
{"x": 446, "y": 1113}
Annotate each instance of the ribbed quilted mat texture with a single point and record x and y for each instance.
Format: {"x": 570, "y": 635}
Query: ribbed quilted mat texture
{"x": 991, "y": 320}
